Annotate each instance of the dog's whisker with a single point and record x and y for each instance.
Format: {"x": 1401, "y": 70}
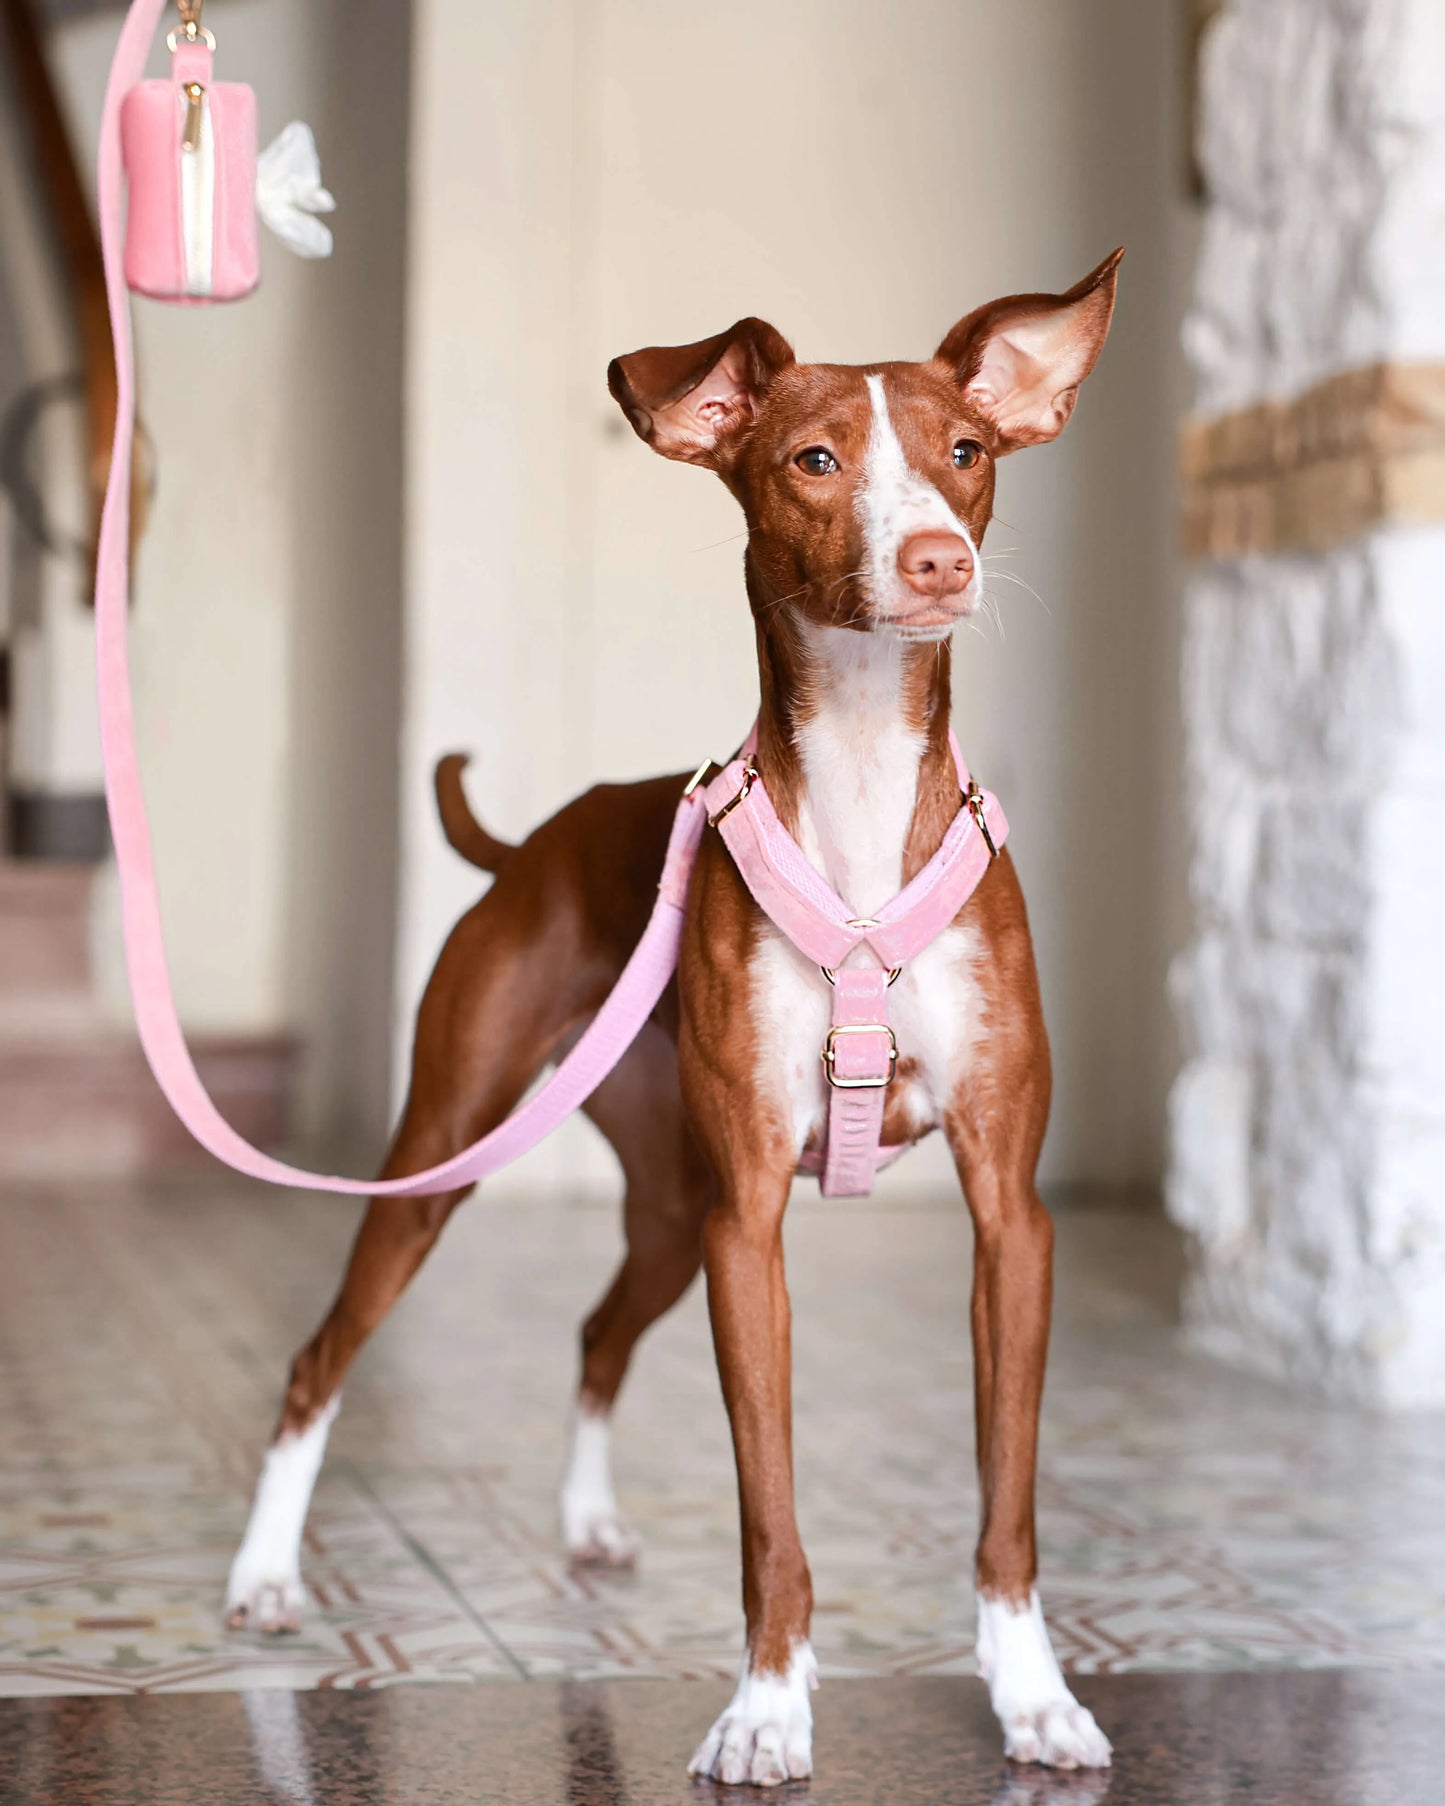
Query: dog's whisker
{"x": 713, "y": 544}
{"x": 1023, "y": 584}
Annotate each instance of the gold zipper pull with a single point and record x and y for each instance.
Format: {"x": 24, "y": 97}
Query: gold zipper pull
{"x": 191, "y": 136}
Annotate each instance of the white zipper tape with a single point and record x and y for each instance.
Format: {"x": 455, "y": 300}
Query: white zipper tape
{"x": 198, "y": 188}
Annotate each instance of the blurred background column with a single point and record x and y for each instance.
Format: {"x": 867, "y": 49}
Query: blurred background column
{"x": 53, "y": 805}
{"x": 1308, "y": 1124}
{"x": 266, "y": 622}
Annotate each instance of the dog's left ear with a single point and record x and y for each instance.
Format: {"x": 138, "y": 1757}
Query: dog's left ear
{"x": 1021, "y": 360}
{"x": 692, "y": 401}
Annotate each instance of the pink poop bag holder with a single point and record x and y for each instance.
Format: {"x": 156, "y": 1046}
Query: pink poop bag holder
{"x": 197, "y": 184}
{"x": 186, "y": 233}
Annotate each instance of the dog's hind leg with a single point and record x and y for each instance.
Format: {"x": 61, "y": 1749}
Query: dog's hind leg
{"x": 639, "y": 1109}
{"x": 507, "y": 988}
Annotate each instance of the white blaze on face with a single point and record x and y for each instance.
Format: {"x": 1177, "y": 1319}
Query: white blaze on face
{"x": 894, "y": 503}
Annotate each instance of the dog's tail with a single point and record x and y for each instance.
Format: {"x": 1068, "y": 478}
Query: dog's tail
{"x": 462, "y": 829}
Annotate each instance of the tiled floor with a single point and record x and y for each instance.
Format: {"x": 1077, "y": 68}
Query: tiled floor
{"x": 1325, "y": 1737}
{"x": 1190, "y": 1518}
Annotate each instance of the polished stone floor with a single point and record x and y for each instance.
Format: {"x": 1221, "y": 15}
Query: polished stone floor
{"x": 1190, "y": 1518}
{"x": 1317, "y": 1738}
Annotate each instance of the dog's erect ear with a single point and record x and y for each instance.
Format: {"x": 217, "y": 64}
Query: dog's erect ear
{"x": 690, "y": 401}
{"x": 1021, "y": 360}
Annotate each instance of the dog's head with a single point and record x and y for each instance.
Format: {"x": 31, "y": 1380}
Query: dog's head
{"x": 867, "y": 488}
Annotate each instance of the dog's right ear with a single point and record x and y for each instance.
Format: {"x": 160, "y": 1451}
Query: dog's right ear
{"x": 693, "y": 402}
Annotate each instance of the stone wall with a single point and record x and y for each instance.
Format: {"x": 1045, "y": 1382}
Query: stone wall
{"x": 1308, "y": 1122}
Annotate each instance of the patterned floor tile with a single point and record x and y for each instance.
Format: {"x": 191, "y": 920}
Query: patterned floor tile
{"x": 1187, "y": 1519}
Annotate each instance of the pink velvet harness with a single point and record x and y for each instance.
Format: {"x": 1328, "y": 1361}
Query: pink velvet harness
{"x": 860, "y": 1054}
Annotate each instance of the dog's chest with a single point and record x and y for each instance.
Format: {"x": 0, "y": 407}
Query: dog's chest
{"x": 861, "y": 771}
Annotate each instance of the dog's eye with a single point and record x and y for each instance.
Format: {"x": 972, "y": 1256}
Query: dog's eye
{"x": 967, "y": 453}
{"x": 817, "y": 461}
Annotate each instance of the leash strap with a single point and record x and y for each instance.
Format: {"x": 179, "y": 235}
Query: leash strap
{"x": 616, "y": 1024}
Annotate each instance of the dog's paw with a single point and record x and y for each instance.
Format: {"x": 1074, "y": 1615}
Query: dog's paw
{"x": 765, "y": 1736}
{"x": 594, "y": 1532}
{"x": 1042, "y": 1721}
{"x": 270, "y": 1603}
{"x": 264, "y": 1591}
{"x": 1062, "y": 1734}
{"x": 599, "y": 1539}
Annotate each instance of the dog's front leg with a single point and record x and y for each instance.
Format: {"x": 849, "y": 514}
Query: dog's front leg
{"x": 743, "y": 1125}
{"x": 766, "y": 1734}
{"x": 1012, "y": 1293}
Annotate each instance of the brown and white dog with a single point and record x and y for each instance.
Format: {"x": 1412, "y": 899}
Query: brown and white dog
{"x": 867, "y": 491}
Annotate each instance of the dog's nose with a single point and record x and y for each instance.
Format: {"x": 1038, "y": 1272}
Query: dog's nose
{"x": 935, "y": 564}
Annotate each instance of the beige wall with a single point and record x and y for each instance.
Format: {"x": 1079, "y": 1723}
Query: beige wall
{"x": 267, "y": 597}
{"x": 589, "y": 178}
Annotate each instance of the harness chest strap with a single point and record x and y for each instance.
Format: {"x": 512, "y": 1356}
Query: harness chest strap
{"x": 860, "y": 1057}
{"x": 860, "y": 1054}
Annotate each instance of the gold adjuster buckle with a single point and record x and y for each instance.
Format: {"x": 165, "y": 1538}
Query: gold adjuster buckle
{"x": 750, "y": 777}
{"x": 973, "y": 801}
{"x": 859, "y": 1028}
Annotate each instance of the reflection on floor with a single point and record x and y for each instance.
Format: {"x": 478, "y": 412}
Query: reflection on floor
{"x": 1328, "y": 1738}
{"x": 1190, "y": 1519}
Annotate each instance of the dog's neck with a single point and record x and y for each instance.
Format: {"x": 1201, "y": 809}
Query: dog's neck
{"x": 853, "y": 746}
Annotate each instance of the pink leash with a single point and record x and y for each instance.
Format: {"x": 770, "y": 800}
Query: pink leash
{"x": 616, "y": 1025}
{"x": 860, "y": 1053}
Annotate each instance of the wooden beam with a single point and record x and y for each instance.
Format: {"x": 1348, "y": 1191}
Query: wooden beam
{"x": 1354, "y": 452}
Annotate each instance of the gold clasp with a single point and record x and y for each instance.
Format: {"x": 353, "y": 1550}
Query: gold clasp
{"x": 192, "y": 31}
{"x": 973, "y": 801}
{"x": 750, "y": 777}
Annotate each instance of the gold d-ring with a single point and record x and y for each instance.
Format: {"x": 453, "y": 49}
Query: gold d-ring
{"x": 831, "y": 972}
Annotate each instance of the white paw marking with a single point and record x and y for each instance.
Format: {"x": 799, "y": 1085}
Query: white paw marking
{"x": 602, "y": 1542}
{"x": 594, "y": 1531}
{"x": 264, "y": 1591}
{"x": 766, "y": 1734}
{"x": 272, "y": 1604}
{"x": 1042, "y": 1721}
